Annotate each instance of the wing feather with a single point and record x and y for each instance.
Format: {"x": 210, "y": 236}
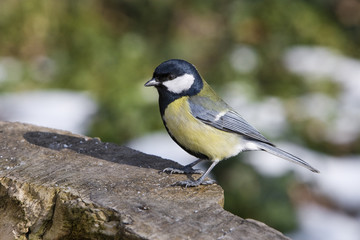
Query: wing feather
{"x": 219, "y": 115}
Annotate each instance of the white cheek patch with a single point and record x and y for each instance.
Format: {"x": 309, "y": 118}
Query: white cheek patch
{"x": 180, "y": 84}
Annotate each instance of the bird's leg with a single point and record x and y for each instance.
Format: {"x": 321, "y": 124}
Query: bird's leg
{"x": 200, "y": 181}
{"x": 188, "y": 169}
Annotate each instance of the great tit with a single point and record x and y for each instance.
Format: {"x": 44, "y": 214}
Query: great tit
{"x": 202, "y": 123}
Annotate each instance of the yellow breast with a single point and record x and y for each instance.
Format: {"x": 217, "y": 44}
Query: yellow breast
{"x": 197, "y": 136}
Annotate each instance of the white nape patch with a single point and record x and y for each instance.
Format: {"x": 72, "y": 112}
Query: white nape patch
{"x": 180, "y": 84}
{"x": 222, "y": 113}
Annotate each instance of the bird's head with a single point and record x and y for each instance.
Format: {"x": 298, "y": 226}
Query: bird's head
{"x": 176, "y": 77}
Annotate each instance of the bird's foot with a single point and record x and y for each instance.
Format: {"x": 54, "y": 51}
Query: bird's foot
{"x": 196, "y": 183}
{"x": 184, "y": 170}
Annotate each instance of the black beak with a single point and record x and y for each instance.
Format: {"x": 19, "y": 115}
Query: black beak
{"x": 152, "y": 82}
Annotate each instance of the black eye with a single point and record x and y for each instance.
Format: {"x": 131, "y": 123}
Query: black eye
{"x": 171, "y": 76}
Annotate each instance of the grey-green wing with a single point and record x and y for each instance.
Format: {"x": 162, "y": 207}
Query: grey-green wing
{"x": 220, "y": 115}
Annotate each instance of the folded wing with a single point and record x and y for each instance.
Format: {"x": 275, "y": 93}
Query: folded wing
{"x": 219, "y": 115}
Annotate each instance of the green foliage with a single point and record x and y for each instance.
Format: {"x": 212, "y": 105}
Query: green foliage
{"x": 251, "y": 195}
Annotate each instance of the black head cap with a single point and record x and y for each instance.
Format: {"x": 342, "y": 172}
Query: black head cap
{"x": 172, "y": 70}
{"x": 175, "y": 67}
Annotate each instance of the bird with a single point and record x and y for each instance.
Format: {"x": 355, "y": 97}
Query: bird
{"x": 202, "y": 124}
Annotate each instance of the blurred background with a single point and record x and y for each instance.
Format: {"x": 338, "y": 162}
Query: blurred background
{"x": 291, "y": 68}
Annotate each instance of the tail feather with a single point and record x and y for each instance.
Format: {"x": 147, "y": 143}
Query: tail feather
{"x": 285, "y": 155}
